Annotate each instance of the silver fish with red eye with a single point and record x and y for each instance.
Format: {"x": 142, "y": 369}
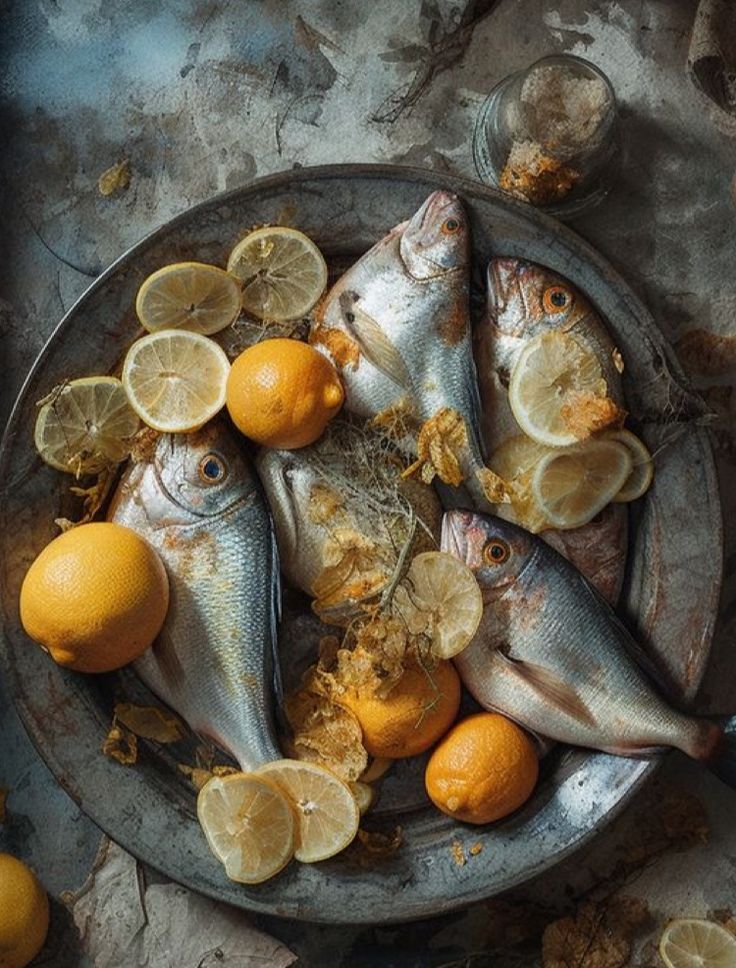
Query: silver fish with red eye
{"x": 525, "y": 300}
{"x": 552, "y": 655}
{"x": 397, "y": 323}
{"x": 198, "y": 502}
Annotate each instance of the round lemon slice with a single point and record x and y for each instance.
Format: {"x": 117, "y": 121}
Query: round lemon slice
{"x": 642, "y": 469}
{"x": 692, "y": 943}
{"x": 571, "y": 486}
{"x": 326, "y": 811}
{"x": 440, "y": 598}
{"x": 515, "y": 461}
{"x": 188, "y": 295}
{"x": 282, "y": 273}
{"x": 86, "y": 425}
{"x": 249, "y": 825}
{"x": 553, "y": 379}
{"x": 175, "y": 380}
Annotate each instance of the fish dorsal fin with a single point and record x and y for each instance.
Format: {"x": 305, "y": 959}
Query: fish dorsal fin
{"x": 373, "y": 342}
{"x": 549, "y": 685}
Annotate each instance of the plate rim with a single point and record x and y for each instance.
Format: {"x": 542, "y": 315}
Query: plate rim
{"x": 465, "y": 186}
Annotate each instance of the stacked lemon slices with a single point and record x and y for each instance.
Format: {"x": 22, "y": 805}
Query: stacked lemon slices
{"x": 568, "y": 463}
{"x": 256, "y": 822}
{"x": 174, "y": 379}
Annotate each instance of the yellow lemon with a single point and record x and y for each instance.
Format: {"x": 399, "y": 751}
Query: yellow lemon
{"x": 282, "y": 393}
{"x": 24, "y": 913}
{"x": 95, "y": 598}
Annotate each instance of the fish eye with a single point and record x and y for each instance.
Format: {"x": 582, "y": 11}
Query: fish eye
{"x": 556, "y": 299}
{"x": 450, "y": 226}
{"x": 496, "y": 552}
{"x": 212, "y": 469}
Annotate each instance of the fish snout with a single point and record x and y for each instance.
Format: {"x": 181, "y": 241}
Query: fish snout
{"x": 506, "y": 304}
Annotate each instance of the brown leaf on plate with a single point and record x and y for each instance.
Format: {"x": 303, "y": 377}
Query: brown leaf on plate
{"x": 475, "y": 849}
{"x": 150, "y": 722}
{"x": 115, "y": 179}
{"x": 377, "y": 845}
{"x": 121, "y": 745}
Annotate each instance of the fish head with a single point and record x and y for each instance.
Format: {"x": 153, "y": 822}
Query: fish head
{"x": 435, "y": 240}
{"x": 525, "y": 299}
{"x": 287, "y": 479}
{"x": 202, "y": 474}
{"x": 496, "y": 551}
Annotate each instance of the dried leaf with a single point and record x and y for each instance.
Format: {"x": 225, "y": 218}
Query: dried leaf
{"x": 115, "y": 179}
{"x": 397, "y": 421}
{"x": 343, "y": 350}
{"x": 441, "y": 446}
{"x": 476, "y": 849}
{"x": 494, "y": 487}
{"x": 588, "y": 413}
{"x": 598, "y": 936}
{"x": 3, "y": 800}
{"x": 458, "y": 854}
{"x": 121, "y": 745}
{"x": 150, "y": 722}
{"x": 325, "y": 733}
{"x": 325, "y": 503}
{"x": 93, "y": 496}
{"x": 124, "y": 925}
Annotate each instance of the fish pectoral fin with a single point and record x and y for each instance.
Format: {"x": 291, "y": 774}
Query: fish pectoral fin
{"x": 374, "y": 344}
{"x": 549, "y": 685}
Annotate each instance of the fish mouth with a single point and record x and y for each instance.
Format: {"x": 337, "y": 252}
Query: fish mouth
{"x": 433, "y": 208}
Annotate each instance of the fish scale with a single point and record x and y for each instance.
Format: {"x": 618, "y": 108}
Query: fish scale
{"x": 214, "y": 660}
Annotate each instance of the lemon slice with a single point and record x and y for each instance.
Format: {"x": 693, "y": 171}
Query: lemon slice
{"x": 642, "y": 469}
{"x": 441, "y": 599}
{"x": 692, "y": 943}
{"x": 86, "y": 425}
{"x": 188, "y": 295}
{"x": 552, "y": 377}
{"x": 175, "y": 380}
{"x": 571, "y": 486}
{"x": 515, "y": 461}
{"x": 326, "y": 810}
{"x": 282, "y": 273}
{"x": 249, "y": 825}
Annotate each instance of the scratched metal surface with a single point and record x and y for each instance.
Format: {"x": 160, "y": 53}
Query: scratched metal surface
{"x": 344, "y": 209}
{"x": 202, "y": 96}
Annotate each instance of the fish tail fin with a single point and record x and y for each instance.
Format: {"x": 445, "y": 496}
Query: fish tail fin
{"x": 718, "y": 752}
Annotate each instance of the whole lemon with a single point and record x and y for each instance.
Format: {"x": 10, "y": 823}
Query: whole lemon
{"x": 420, "y": 709}
{"x": 482, "y": 770}
{"x": 96, "y": 597}
{"x": 24, "y": 913}
{"x": 282, "y": 393}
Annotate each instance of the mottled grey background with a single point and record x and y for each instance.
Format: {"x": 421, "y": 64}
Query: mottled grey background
{"x": 203, "y": 96}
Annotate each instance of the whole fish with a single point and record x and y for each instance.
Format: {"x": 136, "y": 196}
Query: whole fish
{"x": 198, "y": 502}
{"x": 523, "y": 301}
{"x": 551, "y": 654}
{"x": 397, "y": 326}
{"x": 343, "y": 517}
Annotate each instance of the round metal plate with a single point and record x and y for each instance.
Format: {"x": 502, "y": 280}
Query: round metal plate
{"x": 671, "y": 592}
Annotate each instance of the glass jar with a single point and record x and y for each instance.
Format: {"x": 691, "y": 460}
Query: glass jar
{"x": 548, "y": 135}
